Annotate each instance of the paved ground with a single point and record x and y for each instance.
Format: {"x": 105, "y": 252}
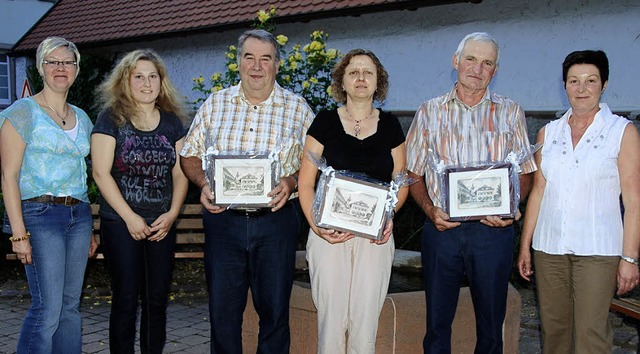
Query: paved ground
{"x": 188, "y": 326}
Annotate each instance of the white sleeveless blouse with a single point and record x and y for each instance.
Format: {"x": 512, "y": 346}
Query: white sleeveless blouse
{"x": 580, "y": 211}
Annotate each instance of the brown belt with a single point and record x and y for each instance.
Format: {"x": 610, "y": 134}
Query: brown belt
{"x": 68, "y": 201}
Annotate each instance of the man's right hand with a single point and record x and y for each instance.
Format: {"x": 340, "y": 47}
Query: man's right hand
{"x": 206, "y": 199}
{"x": 441, "y": 219}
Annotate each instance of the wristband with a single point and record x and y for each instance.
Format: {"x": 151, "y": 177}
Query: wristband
{"x": 630, "y": 260}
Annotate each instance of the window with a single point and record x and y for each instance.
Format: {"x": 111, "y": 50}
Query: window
{"x": 5, "y": 90}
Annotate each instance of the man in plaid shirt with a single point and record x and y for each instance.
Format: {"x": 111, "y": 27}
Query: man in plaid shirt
{"x": 250, "y": 248}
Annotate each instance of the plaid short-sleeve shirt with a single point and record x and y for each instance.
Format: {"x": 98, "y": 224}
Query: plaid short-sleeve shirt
{"x": 458, "y": 134}
{"x": 228, "y": 122}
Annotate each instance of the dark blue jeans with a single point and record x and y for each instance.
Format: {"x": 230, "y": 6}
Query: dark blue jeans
{"x": 485, "y": 255}
{"x": 140, "y": 270}
{"x": 250, "y": 252}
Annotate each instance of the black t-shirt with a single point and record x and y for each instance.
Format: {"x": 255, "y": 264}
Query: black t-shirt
{"x": 371, "y": 155}
{"x": 142, "y": 163}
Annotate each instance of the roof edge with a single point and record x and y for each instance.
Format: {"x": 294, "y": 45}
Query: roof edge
{"x": 409, "y": 5}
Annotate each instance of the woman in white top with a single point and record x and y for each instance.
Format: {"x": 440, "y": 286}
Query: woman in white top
{"x": 585, "y": 242}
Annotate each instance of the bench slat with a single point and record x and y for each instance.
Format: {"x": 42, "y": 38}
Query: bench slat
{"x": 187, "y": 209}
{"x": 627, "y": 306}
{"x": 181, "y": 255}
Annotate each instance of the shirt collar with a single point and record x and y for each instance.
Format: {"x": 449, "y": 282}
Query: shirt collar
{"x": 598, "y": 119}
{"x": 276, "y": 97}
{"x": 452, "y": 95}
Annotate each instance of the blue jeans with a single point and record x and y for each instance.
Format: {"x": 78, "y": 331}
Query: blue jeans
{"x": 60, "y": 238}
{"x": 250, "y": 252}
{"x": 485, "y": 255}
{"x": 139, "y": 270}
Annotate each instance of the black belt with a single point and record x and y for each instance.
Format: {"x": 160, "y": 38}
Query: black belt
{"x": 49, "y": 199}
{"x": 251, "y": 213}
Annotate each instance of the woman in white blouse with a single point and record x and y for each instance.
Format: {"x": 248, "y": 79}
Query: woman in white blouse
{"x": 585, "y": 242}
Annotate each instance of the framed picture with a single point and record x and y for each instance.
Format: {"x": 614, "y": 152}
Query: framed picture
{"x": 353, "y": 205}
{"x": 475, "y": 192}
{"x": 241, "y": 181}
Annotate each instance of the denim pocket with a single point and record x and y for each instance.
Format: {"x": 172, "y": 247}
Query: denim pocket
{"x": 31, "y": 209}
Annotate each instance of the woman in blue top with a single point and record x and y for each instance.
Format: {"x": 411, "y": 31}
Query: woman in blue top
{"x": 135, "y": 165}
{"x": 43, "y": 142}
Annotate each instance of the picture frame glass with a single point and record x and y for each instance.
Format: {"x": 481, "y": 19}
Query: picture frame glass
{"x": 242, "y": 180}
{"x": 354, "y": 205}
{"x": 475, "y": 192}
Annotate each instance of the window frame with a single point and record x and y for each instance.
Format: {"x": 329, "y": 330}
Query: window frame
{"x": 7, "y": 100}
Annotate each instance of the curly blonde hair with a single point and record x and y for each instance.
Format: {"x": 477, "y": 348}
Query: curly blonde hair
{"x": 115, "y": 91}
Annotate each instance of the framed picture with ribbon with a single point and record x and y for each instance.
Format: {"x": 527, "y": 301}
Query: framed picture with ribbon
{"x": 353, "y": 205}
{"x": 472, "y": 193}
{"x": 241, "y": 181}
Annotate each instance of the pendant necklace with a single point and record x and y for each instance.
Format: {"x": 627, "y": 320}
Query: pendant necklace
{"x": 64, "y": 122}
{"x": 357, "y": 126}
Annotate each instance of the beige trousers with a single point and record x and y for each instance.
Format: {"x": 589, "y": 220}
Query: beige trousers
{"x": 349, "y": 283}
{"x": 574, "y": 294}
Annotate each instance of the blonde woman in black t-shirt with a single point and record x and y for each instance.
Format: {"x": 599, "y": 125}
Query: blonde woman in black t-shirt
{"x": 134, "y": 148}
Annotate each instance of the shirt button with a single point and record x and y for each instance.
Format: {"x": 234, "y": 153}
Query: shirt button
{"x": 250, "y": 129}
{"x": 255, "y": 107}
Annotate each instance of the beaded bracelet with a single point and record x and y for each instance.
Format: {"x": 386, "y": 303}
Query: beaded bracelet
{"x": 16, "y": 239}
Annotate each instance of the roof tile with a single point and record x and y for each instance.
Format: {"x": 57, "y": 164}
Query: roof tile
{"x": 93, "y": 22}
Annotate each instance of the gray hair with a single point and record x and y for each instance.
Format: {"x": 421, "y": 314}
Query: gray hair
{"x": 49, "y": 45}
{"x": 479, "y": 37}
{"x": 260, "y": 35}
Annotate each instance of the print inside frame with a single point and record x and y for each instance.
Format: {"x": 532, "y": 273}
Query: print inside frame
{"x": 353, "y": 205}
{"x": 472, "y": 193}
{"x": 242, "y": 181}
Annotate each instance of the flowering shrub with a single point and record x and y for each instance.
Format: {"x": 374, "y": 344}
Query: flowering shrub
{"x": 305, "y": 70}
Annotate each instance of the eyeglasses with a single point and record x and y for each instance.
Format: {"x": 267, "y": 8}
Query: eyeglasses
{"x": 69, "y": 64}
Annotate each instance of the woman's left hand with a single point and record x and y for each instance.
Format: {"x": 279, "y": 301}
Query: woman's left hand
{"x": 386, "y": 234}
{"x": 628, "y": 277}
{"x": 161, "y": 226}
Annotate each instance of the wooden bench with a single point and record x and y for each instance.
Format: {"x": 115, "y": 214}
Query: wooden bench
{"x": 190, "y": 232}
{"x": 628, "y": 306}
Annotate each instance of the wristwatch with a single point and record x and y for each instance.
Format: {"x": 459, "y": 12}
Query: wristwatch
{"x": 295, "y": 178}
{"x": 631, "y": 260}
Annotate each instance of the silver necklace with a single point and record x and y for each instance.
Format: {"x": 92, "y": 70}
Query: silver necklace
{"x": 63, "y": 118}
{"x": 356, "y": 128}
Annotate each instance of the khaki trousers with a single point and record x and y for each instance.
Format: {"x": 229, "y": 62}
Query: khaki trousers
{"x": 574, "y": 294}
{"x": 349, "y": 282}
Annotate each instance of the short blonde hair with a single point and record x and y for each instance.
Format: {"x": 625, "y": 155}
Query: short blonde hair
{"x": 49, "y": 45}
